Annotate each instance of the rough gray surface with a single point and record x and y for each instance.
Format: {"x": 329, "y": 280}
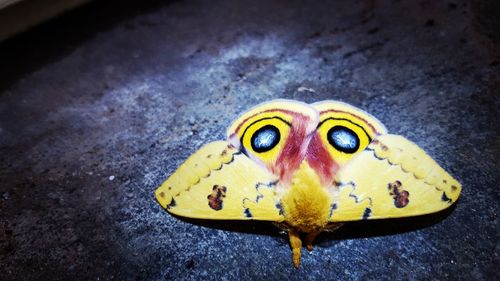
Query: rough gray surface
{"x": 98, "y": 107}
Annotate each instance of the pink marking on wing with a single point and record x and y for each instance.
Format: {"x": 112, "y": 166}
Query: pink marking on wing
{"x": 357, "y": 116}
{"x": 294, "y": 149}
{"x": 320, "y": 160}
{"x": 292, "y": 113}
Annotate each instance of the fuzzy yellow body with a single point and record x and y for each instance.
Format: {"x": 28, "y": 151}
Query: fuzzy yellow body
{"x": 306, "y": 206}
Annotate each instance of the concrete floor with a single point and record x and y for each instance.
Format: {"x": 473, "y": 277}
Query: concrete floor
{"x": 99, "y": 106}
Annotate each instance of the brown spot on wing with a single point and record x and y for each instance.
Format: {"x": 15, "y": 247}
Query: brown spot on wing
{"x": 401, "y": 197}
{"x": 215, "y": 199}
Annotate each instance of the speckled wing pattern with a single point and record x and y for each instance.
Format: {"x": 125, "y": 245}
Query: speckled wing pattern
{"x": 392, "y": 178}
{"x": 219, "y": 182}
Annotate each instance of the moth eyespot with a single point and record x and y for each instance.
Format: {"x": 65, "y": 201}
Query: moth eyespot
{"x": 265, "y": 138}
{"x": 343, "y": 139}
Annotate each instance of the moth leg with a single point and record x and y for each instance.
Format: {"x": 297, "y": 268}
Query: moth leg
{"x": 296, "y": 245}
{"x": 310, "y": 239}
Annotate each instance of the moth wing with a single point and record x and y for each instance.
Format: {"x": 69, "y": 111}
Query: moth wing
{"x": 392, "y": 178}
{"x": 219, "y": 182}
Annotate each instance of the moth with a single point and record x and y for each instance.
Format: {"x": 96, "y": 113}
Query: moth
{"x": 309, "y": 168}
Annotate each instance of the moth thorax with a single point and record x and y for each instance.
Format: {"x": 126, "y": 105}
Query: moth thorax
{"x": 306, "y": 204}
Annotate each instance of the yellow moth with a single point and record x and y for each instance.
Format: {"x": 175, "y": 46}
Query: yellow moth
{"x": 308, "y": 168}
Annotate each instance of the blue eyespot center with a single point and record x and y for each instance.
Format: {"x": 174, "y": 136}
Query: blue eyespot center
{"x": 343, "y": 139}
{"x": 265, "y": 138}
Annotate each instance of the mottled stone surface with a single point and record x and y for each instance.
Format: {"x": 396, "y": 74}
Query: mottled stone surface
{"x": 98, "y": 107}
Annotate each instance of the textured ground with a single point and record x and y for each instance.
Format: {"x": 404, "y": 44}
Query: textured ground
{"x": 98, "y": 107}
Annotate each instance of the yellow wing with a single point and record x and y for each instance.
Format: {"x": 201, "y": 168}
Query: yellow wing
{"x": 220, "y": 182}
{"x": 392, "y": 178}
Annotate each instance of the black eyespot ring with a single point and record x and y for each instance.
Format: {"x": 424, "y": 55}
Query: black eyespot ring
{"x": 343, "y": 139}
{"x": 265, "y": 138}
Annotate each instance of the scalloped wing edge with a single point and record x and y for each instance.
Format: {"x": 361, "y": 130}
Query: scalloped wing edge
{"x": 219, "y": 182}
{"x": 392, "y": 178}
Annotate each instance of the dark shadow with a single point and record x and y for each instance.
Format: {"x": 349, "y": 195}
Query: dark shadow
{"x": 351, "y": 230}
{"x": 28, "y": 51}
{"x": 384, "y": 227}
{"x": 251, "y": 227}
